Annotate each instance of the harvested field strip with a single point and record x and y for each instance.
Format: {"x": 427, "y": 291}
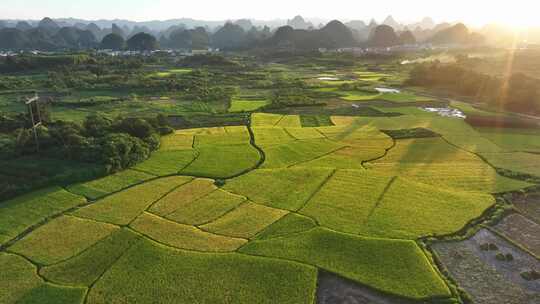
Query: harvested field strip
{"x": 184, "y": 236}
{"x": 395, "y": 267}
{"x": 207, "y": 208}
{"x": 182, "y": 196}
{"x": 496, "y": 281}
{"x": 20, "y": 215}
{"x": 123, "y": 207}
{"x": 148, "y": 267}
{"x": 86, "y": 268}
{"x": 280, "y": 188}
{"x": 245, "y": 221}
{"x": 21, "y": 284}
{"x": 61, "y": 239}
{"x": 112, "y": 183}
{"x": 522, "y": 231}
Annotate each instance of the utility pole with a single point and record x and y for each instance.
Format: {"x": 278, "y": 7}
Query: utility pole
{"x": 36, "y": 121}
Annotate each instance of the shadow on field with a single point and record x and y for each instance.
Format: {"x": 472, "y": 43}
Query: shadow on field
{"x": 333, "y": 289}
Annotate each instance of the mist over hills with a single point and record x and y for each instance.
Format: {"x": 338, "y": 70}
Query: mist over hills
{"x": 186, "y": 33}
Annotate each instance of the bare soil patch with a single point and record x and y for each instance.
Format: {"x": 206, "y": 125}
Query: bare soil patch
{"x": 521, "y": 230}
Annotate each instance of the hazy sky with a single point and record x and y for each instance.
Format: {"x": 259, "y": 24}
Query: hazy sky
{"x": 476, "y": 12}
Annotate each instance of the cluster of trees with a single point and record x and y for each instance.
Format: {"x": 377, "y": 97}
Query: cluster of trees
{"x": 114, "y": 143}
{"x": 517, "y": 92}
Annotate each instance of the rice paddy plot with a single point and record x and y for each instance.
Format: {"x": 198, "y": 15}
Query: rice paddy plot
{"x": 245, "y": 221}
{"x": 290, "y": 224}
{"x": 25, "y": 211}
{"x": 183, "y": 196}
{"x": 167, "y": 162}
{"x": 304, "y": 133}
{"x": 396, "y": 267}
{"x": 520, "y": 162}
{"x": 265, "y": 120}
{"x": 223, "y": 161}
{"x": 60, "y": 239}
{"x": 246, "y": 105}
{"x": 271, "y": 136}
{"x": 411, "y": 210}
{"x": 289, "y": 121}
{"x": 86, "y": 267}
{"x": 287, "y": 189}
{"x": 121, "y": 208}
{"x": 207, "y": 208}
{"x": 21, "y": 284}
{"x": 177, "y": 141}
{"x": 232, "y": 136}
{"x": 184, "y": 236}
{"x": 353, "y": 156}
{"x": 109, "y": 184}
{"x": 297, "y": 152}
{"x": 433, "y": 161}
{"x": 511, "y": 140}
{"x": 315, "y": 121}
{"x": 185, "y": 277}
{"x": 344, "y": 203}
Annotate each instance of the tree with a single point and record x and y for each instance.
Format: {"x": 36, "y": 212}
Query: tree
{"x": 383, "y": 36}
{"x": 142, "y": 42}
{"x": 113, "y": 42}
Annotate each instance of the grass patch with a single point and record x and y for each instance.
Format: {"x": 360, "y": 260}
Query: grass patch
{"x": 121, "y": 208}
{"x": 513, "y": 140}
{"x": 61, "y": 239}
{"x": 280, "y": 188}
{"x": 185, "y": 277}
{"x": 21, "y": 284}
{"x": 23, "y": 212}
{"x": 245, "y": 221}
{"x": 207, "y": 208}
{"x": 109, "y": 184}
{"x": 396, "y": 267}
{"x": 85, "y": 268}
{"x": 184, "y": 236}
{"x": 183, "y": 196}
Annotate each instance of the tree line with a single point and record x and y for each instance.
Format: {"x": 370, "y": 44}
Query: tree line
{"x": 516, "y": 92}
